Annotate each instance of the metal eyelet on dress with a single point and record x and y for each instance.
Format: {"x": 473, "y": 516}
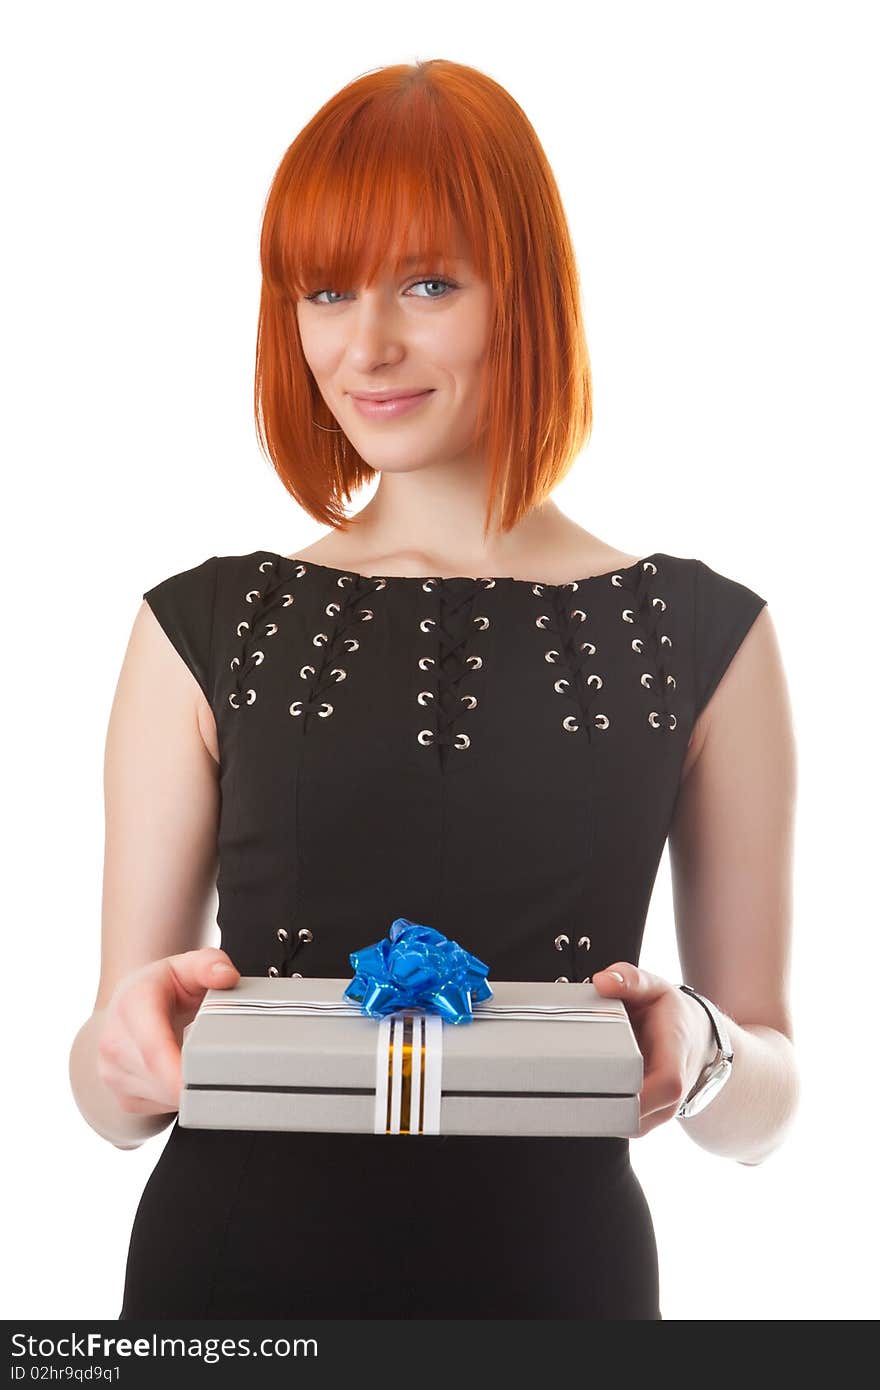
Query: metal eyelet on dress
{"x": 656, "y": 719}
{"x": 562, "y": 980}
{"x": 250, "y": 694}
{"x": 561, "y": 941}
{"x": 647, "y": 565}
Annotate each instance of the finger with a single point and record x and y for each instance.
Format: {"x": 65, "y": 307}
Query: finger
{"x": 194, "y": 972}
{"x": 146, "y": 1012}
{"x": 663, "y": 1084}
{"x": 121, "y": 1068}
{"x": 121, "y": 1051}
{"x": 664, "y": 1051}
{"x": 657, "y": 1117}
{"x": 630, "y": 982}
{"x": 133, "y": 1092}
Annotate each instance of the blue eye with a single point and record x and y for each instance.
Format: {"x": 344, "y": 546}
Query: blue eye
{"x": 314, "y": 297}
{"x": 434, "y": 281}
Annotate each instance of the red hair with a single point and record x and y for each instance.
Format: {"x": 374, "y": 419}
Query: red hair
{"x": 435, "y": 149}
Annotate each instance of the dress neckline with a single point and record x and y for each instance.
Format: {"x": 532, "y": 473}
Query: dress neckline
{"x": 462, "y": 578}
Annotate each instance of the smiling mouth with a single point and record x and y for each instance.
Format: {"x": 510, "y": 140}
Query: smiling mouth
{"x": 394, "y": 396}
{"x": 390, "y": 407}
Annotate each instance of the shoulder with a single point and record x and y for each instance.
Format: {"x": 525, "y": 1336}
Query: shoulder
{"x": 716, "y": 599}
{"x": 195, "y": 591}
{"x": 737, "y": 668}
{"x": 706, "y": 618}
{"x": 193, "y": 604}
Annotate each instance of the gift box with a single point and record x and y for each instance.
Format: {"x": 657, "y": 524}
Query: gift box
{"x": 536, "y": 1058}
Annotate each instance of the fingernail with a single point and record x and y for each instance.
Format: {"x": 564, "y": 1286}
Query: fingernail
{"x": 616, "y": 975}
{"x": 220, "y": 965}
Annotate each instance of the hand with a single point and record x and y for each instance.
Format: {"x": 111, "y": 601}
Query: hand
{"x": 674, "y": 1034}
{"x": 139, "y": 1046}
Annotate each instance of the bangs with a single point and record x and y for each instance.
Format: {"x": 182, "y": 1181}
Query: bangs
{"x": 389, "y": 191}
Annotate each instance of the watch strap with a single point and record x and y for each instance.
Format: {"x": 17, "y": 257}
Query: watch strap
{"x": 722, "y": 1036}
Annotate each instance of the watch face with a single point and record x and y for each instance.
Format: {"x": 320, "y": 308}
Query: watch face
{"x": 710, "y": 1088}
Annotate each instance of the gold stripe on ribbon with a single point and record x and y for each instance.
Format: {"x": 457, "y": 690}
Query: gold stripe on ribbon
{"x": 406, "y": 1078}
{"x": 423, "y": 1062}
{"x": 392, "y": 1024}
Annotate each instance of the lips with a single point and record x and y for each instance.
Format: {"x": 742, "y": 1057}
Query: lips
{"x": 390, "y": 407}
{"x": 389, "y": 395}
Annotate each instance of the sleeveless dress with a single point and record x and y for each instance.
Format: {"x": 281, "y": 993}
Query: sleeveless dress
{"x": 493, "y": 757}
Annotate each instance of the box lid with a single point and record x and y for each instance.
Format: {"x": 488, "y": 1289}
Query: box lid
{"x": 531, "y": 1036}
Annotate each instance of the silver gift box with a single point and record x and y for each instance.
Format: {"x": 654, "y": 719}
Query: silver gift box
{"x": 537, "y": 1058}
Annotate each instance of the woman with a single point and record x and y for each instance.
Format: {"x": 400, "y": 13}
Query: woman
{"x": 456, "y": 706}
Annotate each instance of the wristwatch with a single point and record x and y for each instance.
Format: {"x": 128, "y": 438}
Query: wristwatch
{"x": 713, "y": 1076}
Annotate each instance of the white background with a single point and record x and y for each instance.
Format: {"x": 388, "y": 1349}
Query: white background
{"x": 718, "y": 166}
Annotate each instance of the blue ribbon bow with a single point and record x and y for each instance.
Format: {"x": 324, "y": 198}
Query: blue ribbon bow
{"x": 416, "y": 967}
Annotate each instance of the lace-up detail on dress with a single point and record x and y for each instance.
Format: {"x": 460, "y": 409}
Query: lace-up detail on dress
{"x": 574, "y": 653}
{"x": 290, "y": 946}
{"x": 347, "y": 612}
{"x": 271, "y": 595}
{"x": 564, "y": 942}
{"x": 453, "y": 628}
{"x": 645, "y": 610}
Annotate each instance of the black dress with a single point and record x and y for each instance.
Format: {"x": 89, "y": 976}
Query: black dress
{"x": 496, "y": 758}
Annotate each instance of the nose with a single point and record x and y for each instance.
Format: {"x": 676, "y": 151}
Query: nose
{"x": 376, "y": 332}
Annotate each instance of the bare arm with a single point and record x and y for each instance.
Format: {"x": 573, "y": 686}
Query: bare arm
{"x": 162, "y": 799}
{"x": 731, "y": 852}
